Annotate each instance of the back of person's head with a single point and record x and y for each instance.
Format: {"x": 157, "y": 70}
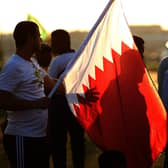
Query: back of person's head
{"x": 60, "y": 41}
{"x": 139, "y": 43}
{"x": 23, "y": 30}
{"x": 112, "y": 159}
{"x": 44, "y": 55}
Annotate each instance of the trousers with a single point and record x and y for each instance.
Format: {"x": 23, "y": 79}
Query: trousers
{"x": 62, "y": 123}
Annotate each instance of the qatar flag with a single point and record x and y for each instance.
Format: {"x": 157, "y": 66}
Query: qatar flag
{"x": 129, "y": 115}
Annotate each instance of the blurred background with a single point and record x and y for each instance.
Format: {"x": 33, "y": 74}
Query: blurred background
{"x": 147, "y": 19}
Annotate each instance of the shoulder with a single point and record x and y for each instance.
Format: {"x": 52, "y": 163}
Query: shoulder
{"x": 13, "y": 64}
{"x": 66, "y": 57}
{"x": 163, "y": 65}
{"x": 166, "y": 72}
{"x": 165, "y": 78}
{"x": 164, "y": 61}
{"x": 63, "y": 58}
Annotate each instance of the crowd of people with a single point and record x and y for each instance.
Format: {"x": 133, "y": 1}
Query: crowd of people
{"x": 37, "y": 127}
{"x": 24, "y": 85}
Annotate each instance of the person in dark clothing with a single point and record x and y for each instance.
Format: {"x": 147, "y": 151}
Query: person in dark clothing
{"x": 22, "y": 83}
{"x": 61, "y": 119}
{"x": 44, "y": 56}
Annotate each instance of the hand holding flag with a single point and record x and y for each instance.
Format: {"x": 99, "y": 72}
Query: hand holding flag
{"x": 91, "y": 96}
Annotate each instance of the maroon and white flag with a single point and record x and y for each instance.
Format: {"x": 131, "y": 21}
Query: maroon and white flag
{"x": 129, "y": 115}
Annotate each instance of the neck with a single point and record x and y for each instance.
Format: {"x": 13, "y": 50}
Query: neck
{"x": 24, "y": 54}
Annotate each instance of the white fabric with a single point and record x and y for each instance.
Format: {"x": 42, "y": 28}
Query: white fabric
{"x": 59, "y": 63}
{"x": 25, "y": 80}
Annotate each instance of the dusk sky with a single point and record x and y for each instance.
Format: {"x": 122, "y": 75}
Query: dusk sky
{"x": 79, "y": 14}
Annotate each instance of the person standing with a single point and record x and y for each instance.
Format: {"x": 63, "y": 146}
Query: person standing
{"x": 22, "y": 95}
{"x": 62, "y": 120}
{"x": 44, "y": 56}
{"x": 163, "y": 66}
{"x": 162, "y": 90}
{"x": 139, "y": 41}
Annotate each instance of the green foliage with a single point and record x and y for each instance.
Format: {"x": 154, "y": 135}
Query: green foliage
{"x": 42, "y": 30}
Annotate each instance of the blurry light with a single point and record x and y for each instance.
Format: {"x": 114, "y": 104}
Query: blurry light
{"x": 166, "y": 44}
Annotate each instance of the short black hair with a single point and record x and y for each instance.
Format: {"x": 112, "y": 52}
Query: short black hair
{"x": 60, "y": 41}
{"x": 44, "y": 56}
{"x": 22, "y": 30}
{"x": 139, "y": 41}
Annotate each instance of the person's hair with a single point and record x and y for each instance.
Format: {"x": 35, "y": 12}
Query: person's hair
{"x": 60, "y": 41}
{"x": 115, "y": 159}
{"x": 22, "y": 31}
{"x": 139, "y": 43}
{"x": 44, "y": 56}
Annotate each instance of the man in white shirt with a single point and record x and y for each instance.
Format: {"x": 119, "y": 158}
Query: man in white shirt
{"x": 22, "y": 84}
{"x": 22, "y": 95}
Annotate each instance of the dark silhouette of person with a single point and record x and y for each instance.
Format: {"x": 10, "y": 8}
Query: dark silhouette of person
{"x": 162, "y": 90}
{"x": 134, "y": 108}
{"x": 126, "y": 126}
{"x": 139, "y": 41}
{"x": 62, "y": 121}
{"x": 163, "y": 66}
{"x": 22, "y": 96}
{"x": 44, "y": 56}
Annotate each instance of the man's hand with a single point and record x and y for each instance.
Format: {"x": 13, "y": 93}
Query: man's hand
{"x": 91, "y": 96}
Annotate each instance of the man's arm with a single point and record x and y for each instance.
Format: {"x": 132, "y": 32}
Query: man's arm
{"x": 91, "y": 96}
{"x": 49, "y": 83}
{"x": 8, "y": 101}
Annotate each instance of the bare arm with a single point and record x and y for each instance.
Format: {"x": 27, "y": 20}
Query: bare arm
{"x": 8, "y": 101}
{"x": 49, "y": 83}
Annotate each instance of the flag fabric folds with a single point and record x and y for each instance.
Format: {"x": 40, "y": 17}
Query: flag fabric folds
{"x": 129, "y": 115}
{"x": 42, "y": 30}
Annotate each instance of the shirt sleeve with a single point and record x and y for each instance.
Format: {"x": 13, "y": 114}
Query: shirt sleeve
{"x": 55, "y": 69}
{"x": 10, "y": 77}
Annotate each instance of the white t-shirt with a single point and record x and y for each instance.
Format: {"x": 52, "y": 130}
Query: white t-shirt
{"x": 24, "y": 79}
{"x": 59, "y": 63}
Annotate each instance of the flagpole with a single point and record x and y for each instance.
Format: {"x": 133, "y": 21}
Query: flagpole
{"x": 79, "y": 51}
